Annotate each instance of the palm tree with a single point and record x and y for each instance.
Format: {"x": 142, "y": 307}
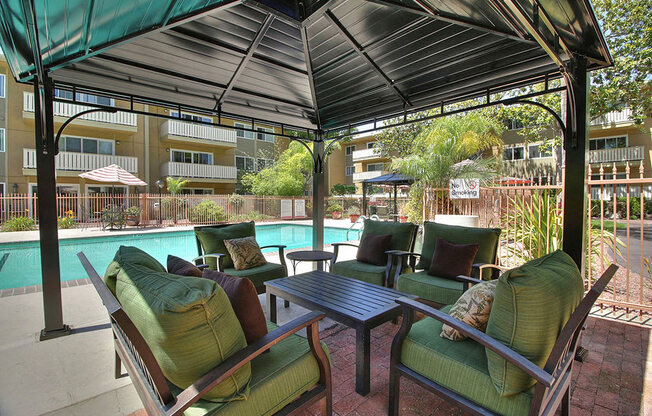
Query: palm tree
{"x": 174, "y": 186}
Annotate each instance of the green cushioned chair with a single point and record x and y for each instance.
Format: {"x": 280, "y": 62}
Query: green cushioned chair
{"x": 440, "y": 290}
{"x": 403, "y": 236}
{"x": 294, "y": 374}
{"x": 537, "y": 362}
{"x": 213, "y": 252}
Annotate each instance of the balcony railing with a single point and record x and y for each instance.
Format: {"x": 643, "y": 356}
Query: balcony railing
{"x": 361, "y": 176}
{"x": 82, "y": 162}
{"x": 193, "y": 170}
{"x": 197, "y": 131}
{"x": 68, "y": 110}
{"x": 614, "y": 117}
{"x": 366, "y": 154}
{"x": 619, "y": 154}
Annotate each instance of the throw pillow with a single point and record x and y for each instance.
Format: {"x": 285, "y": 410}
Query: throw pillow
{"x": 245, "y": 253}
{"x": 128, "y": 255}
{"x": 472, "y": 308}
{"x": 177, "y": 265}
{"x": 244, "y": 300}
{"x": 451, "y": 260}
{"x": 372, "y": 249}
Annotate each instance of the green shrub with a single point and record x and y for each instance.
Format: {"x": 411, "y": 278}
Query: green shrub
{"x": 207, "y": 211}
{"x": 133, "y": 210}
{"x": 236, "y": 201}
{"x": 19, "y": 224}
{"x": 250, "y": 216}
{"x": 335, "y": 207}
{"x": 67, "y": 221}
{"x": 342, "y": 189}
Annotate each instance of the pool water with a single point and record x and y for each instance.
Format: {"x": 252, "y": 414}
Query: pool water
{"x": 23, "y": 265}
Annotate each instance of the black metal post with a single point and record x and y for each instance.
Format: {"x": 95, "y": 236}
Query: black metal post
{"x": 364, "y": 199}
{"x": 47, "y": 211}
{"x": 395, "y": 205}
{"x": 318, "y": 195}
{"x": 576, "y": 146}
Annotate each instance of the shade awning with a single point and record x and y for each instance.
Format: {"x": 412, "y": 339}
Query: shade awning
{"x": 390, "y": 179}
{"x": 112, "y": 174}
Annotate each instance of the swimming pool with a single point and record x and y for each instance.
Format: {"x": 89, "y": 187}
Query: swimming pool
{"x": 23, "y": 265}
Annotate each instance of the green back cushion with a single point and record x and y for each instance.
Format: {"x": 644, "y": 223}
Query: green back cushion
{"x": 212, "y": 240}
{"x": 402, "y": 233}
{"x": 532, "y": 304}
{"x": 130, "y": 255}
{"x": 486, "y": 238}
{"x": 188, "y": 323}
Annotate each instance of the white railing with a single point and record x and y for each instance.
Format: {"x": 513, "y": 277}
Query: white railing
{"x": 361, "y": 176}
{"x": 198, "y": 131}
{"x": 193, "y": 170}
{"x": 68, "y": 110}
{"x": 619, "y": 154}
{"x": 365, "y": 154}
{"x": 82, "y": 162}
{"x": 615, "y": 117}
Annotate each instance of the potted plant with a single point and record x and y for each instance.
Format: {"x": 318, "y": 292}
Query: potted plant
{"x": 402, "y": 213}
{"x": 354, "y": 213}
{"x": 336, "y": 211}
{"x": 133, "y": 215}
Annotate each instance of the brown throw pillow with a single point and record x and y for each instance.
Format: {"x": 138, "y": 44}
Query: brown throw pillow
{"x": 177, "y": 265}
{"x": 245, "y": 253}
{"x": 244, "y": 301}
{"x": 372, "y": 249}
{"x": 451, "y": 260}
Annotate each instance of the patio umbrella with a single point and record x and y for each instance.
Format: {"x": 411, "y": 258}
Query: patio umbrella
{"x": 510, "y": 180}
{"x": 112, "y": 174}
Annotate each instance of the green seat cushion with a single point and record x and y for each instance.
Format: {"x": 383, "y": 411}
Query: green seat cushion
{"x": 212, "y": 240}
{"x": 532, "y": 303}
{"x": 459, "y": 366}
{"x": 486, "y": 238}
{"x": 131, "y": 255}
{"x": 277, "y": 378}
{"x": 432, "y": 288}
{"x": 366, "y": 272}
{"x": 259, "y": 275}
{"x": 188, "y": 323}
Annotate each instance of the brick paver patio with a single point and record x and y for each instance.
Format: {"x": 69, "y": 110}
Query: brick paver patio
{"x": 616, "y": 379}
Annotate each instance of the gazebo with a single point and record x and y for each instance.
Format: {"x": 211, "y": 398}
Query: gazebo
{"x": 318, "y": 70}
{"x": 392, "y": 179}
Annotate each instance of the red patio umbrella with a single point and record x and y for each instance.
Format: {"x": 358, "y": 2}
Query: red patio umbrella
{"x": 112, "y": 174}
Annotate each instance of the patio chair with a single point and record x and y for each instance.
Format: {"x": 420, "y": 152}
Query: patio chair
{"x": 440, "y": 290}
{"x": 403, "y": 236}
{"x": 211, "y": 249}
{"x": 280, "y": 363}
{"x": 475, "y": 374}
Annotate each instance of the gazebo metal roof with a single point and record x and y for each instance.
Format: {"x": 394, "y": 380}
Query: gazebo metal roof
{"x": 390, "y": 179}
{"x": 316, "y": 64}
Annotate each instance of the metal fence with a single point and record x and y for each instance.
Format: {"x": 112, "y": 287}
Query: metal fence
{"x": 619, "y": 229}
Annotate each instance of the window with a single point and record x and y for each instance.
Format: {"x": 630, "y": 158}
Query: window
{"x": 2, "y": 85}
{"x": 514, "y": 153}
{"x": 2, "y": 140}
{"x": 244, "y": 163}
{"x": 87, "y": 145}
{"x": 263, "y": 136}
{"x": 243, "y": 134}
{"x": 191, "y": 117}
{"x": 375, "y": 167}
{"x": 86, "y": 98}
{"x": 535, "y": 152}
{"x": 196, "y": 191}
{"x": 2, "y": 188}
{"x": 608, "y": 143}
{"x": 349, "y": 150}
{"x": 264, "y": 163}
{"x": 513, "y": 124}
{"x": 371, "y": 145}
{"x": 350, "y": 170}
{"x": 186, "y": 156}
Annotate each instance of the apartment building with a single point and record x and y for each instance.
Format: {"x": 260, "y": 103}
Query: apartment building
{"x": 150, "y": 147}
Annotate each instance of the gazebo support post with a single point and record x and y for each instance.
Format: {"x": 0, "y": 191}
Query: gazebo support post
{"x": 47, "y": 211}
{"x": 318, "y": 195}
{"x": 364, "y": 199}
{"x": 395, "y": 205}
{"x": 576, "y": 146}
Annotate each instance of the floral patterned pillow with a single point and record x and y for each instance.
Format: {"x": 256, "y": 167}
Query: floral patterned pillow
{"x": 472, "y": 308}
{"x": 245, "y": 253}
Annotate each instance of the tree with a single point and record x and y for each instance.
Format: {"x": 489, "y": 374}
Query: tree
{"x": 175, "y": 185}
{"x": 342, "y": 189}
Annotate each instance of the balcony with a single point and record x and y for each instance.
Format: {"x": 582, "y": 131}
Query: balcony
{"x": 120, "y": 121}
{"x": 619, "y": 154}
{"x": 197, "y": 133}
{"x": 366, "y": 154}
{"x": 615, "y": 117}
{"x": 194, "y": 170}
{"x": 361, "y": 176}
{"x": 82, "y": 162}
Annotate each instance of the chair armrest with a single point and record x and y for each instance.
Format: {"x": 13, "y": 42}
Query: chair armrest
{"x": 336, "y": 248}
{"x": 477, "y": 269}
{"x": 202, "y": 266}
{"x": 344, "y": 244}
{"x": 280, "y": 248}
{"x": 232, "y": 364}
{"x": 510, "y": 355}
{"x": 467, "y": 281}
{"x": 218, "y": 256}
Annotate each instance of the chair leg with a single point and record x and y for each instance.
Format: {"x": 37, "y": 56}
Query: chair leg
{"x": 118, "y": 366}
{"x": 394, "y": 391}
{"x": 565, "y": 403}
{"x": 286, "y": 304}
{"x": 327, "y": 405}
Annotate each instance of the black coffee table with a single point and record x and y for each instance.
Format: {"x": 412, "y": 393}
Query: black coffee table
{"x": 351, "y": 302}
{"x": 309, "y": 255}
